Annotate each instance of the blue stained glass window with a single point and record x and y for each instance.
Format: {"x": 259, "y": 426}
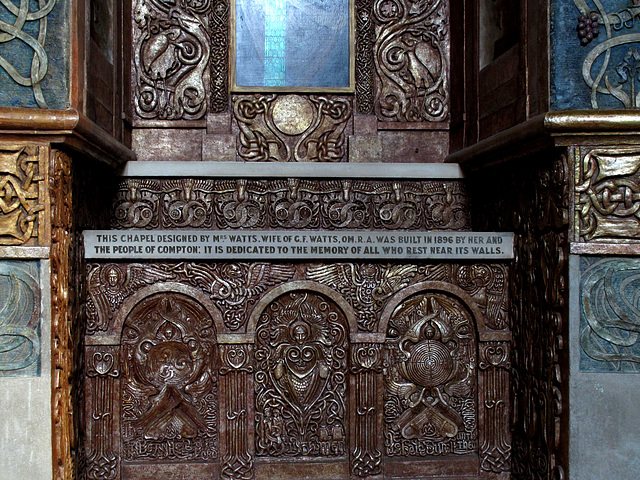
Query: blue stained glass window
{"x": 292, "y": 43}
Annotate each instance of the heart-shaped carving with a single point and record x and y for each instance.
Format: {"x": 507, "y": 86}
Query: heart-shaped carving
{"x": 103, "y": 362}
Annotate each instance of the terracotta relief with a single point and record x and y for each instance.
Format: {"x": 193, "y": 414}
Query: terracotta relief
{"x": 292, "y": 128}
{"x": 411, "y": 55}
{"x": 431, "y": 382}
{"x": 19, "y": 318}
{"x": 169, "y": 397}
{"x": 301, "y": 384}
{"x": 365, "y": 38}
{"x": 219, "y": 70}
{"x": 533, "y": 201}
{"x": 606, "y": 194}
{"x": 23, "y": 202}
{"x": 292, "y": 203}
{"x": 172, "y": 46}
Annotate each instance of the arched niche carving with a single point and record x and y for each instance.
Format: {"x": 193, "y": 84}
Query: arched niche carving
{"x": 301, "y": 377}
{"x": 169, "y": 393}
{"x": 430, "y": 395}
{"x": 339, "y": 300}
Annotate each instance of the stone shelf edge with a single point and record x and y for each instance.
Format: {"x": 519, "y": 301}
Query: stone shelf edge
{"x": 293, "y": 170}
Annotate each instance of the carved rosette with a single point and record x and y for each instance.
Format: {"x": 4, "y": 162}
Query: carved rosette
{"x": 300, "y": 380}
{"x": 235, "y": 368}
{"x": 103, "y": 371}
{"x": 607, "y": 194}
{"x": 292, "y": 128}
{"x": 366, "y": 367}
{"x": 411, "y": 57}
{"x": 292, "y": 203}
{"x": 171, "y": 44}
{"x": 430, "y": 378}
{"x": 494, "y": 364}
{"x": 24, "y": 195}
{"x": 169, "y": 400}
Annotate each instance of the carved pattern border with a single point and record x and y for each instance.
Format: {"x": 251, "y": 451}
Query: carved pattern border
{"x": 607, "y": 194}
{"x": 291, "y": 204}
{"x": 62, "y": 352}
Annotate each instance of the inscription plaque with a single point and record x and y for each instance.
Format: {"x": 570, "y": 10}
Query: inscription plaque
{"x": 288, "y": 245}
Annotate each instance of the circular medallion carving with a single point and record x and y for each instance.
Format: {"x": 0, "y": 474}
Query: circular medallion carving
{"x": 292, "y": 114}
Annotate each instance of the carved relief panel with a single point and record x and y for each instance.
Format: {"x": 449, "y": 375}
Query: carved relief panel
{"x": 301, "y": 378}
{"x": 430, "y": 403}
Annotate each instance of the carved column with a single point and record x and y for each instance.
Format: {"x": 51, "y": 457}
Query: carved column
{"x": 494, "y": 407}
{"x": 366, "y": 410}
{"x": 236, "y": 412}
{"x": 103, "y": 378}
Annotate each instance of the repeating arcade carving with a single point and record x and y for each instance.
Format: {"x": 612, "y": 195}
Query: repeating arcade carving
{"x": 300, "y": 381}
{"x": 22, "y": 204}
{"x": 607, "y": 194}
{"x": 172, "y": 44}
{"x": 411, "y": 56}
{"x": 292, "y": 203}
{"x": 292, "y": 128}
{"x": 430, "y": 379}
{"x": 169, "y": 399}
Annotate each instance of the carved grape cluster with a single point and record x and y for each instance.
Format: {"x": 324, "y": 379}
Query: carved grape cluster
{"x": 587, "y": 28}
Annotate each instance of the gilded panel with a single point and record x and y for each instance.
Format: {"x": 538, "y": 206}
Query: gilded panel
{"x": 607, "y": 195}
{"x": 609, "y": 314}
{"x": 19, "y": 318}
{"x": 411, "y": 58}
{"x": 23, "y": 203}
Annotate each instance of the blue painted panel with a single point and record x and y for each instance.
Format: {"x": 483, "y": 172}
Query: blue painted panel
{"x": 610, "y": 314}
{"x": 34, "y": 54}
{"x": 602, "y": 72}
{"x": 19, "y": 318}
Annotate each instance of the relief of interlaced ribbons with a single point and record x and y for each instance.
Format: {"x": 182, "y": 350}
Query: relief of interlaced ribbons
{"x": 15, "y": 33}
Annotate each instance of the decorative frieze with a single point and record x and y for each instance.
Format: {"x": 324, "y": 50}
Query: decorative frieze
{"x": 292, "y": 204}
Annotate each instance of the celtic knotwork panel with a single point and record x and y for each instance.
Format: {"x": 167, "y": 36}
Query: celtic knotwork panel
{"x": 292, "y": 203}
{"x": 411, "y": 56}
{"x": 169, "y": 408}
{"x": 110, "y": 284}
{"x": 19, "y": 318}
{"x": 430, "y": 381}
{"x": 23, "y": 34}
{"x": 300, "y": 379}
{"x": 609, "y": 314}
{"x": 23, "y": 195}
{"x": 607, "y": 194}
{"x": 292, "y": 128}
{"x": 235, "y": 287}
{"x": 365, "y": 286}
{"x": 172, "y": 44}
